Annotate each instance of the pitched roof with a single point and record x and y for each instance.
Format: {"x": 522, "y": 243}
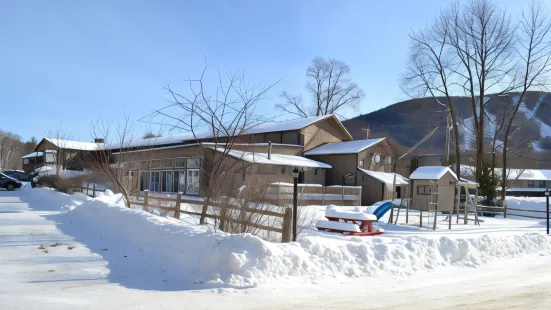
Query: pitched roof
{"x": 431, "y": 173}
{"x": 75, "y": 145}
{"x": 276, "y": 159}
{"x": 386, "y": 177}
{"x": 274, "y": 126}
{"x": 347, "y": 147}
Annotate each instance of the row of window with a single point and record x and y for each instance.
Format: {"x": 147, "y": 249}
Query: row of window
{"x": 538, "y": 184}
{"x": 168, "y": 181}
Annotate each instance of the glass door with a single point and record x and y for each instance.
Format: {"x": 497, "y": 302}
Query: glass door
{"x": 192, "y": 182}
{"x": 155, "y": 180}
{"x": 179, "y": 182}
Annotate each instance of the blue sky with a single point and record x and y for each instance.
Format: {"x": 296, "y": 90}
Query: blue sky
{"x": 72, "y": 62}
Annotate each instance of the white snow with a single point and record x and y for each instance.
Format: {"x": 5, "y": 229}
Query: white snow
{"x": 347, "y": 147}
{"x": 431, "y": 173}
{"x": 337, "y": 225}
{"x": 75, "y": 145}
{"x": 185, "y": 137}
{"x": 332, "y": 211}
{"x": 125, "y": 258}
{"x": 386, "y": 177}
{"x": 276, "y": 159}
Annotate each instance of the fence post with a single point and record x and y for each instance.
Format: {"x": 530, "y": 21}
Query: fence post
{"x": 287, "y": 220}
{"x": 145, "y": 199}
{"x": 94, "y": 191}
{"x": 342, "y": 196}
{"x": 178, "y": 201}
{"x": 323, "y": 195}
{"x": 87, "y": 187}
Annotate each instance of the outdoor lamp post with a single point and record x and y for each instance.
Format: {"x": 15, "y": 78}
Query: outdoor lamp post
{"x": 295, "y": 202}
{"x": 547, "y": 207}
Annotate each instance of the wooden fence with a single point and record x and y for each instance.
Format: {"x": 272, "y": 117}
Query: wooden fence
{"x": 89, "y": 191}
{"x": 515, "y": 212}
{"x": 312, "y": 194}
{"x": 150, "y": 201}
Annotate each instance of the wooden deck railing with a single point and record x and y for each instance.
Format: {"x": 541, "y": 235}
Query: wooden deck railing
{"x": 89, "y": 191}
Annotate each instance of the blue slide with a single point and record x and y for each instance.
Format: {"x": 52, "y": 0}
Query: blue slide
{"x": 382, "y": 209}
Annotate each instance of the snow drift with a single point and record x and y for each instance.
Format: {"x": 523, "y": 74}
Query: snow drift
{"x": 135, "y": 243}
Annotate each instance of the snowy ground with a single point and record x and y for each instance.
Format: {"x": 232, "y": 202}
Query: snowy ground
{"x": 59, "y": 251}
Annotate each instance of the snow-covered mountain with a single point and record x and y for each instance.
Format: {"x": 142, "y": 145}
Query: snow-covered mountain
{"x": 408, "y": 121}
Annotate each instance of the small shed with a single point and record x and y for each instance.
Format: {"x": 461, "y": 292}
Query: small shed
{"x": 433, "y": 186}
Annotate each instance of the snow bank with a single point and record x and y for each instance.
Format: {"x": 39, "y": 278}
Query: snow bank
{"x": 198, "y": 258}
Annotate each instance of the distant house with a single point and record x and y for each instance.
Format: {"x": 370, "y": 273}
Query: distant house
{"x": 520, "y": 182}
{"x": 35, "y": 160}
{"x": 367, "y": 163}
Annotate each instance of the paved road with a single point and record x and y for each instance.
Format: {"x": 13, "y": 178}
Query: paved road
{"x": 70, "y": 276}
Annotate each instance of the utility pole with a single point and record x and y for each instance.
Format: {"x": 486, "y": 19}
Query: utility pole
{"x": 447, "y": 151}
{"x": 366, "y": 132}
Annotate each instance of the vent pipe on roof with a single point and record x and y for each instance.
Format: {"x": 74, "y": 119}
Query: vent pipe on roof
{"x": 269, "y": 149}
{"x": 99, "y": 140}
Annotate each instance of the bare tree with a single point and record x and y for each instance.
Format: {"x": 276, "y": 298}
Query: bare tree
{"x": 330, "y": 87}
{"x": 118, "y": 160}
{"x": 60, "y": 137}
{"x": 431, "y": 71}
{"x": 483, "y": 39}
{"x": 535, "y": 65}
{"x": 223, "y": 118}
{"x": 9, "y": 144}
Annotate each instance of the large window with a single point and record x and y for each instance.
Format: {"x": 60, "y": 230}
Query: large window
{"x": 25, "y": 161}
{"x": 155, "y": 181}
{"x": 145, "y": 180}
{"x": 361, "y": 163}
{"x": 192, "y": 182}
{"x": 541, "y": 184}
{"x": 531, "y": 183}
{"x": 50, "y": 157}
{"x": 179, "y": 183}
{"x": 167, "y": 181}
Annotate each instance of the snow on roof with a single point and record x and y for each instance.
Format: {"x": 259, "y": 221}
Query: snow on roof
{"x": 75, "y": 145}
{"x": 347, "y": 147}
{"x": 514, "y": 173}
{"x": 38, "y": 154}
{"x": 276, "y": 159}
{"x": 523, "y": 189}
{"x": 386, "y": 177}
{"x": 431, "y": 173}
{"x": 261, "y": 128}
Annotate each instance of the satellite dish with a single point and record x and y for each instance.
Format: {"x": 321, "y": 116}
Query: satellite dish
{"x": 376, "y": 159}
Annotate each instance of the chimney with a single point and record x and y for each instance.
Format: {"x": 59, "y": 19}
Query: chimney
{"x": 99, "y": 140}
{"x": 269, "y": 149}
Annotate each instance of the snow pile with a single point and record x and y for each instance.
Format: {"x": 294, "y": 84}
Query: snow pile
{"x": 139, "y": 247}
{"x": 527, "y": 203}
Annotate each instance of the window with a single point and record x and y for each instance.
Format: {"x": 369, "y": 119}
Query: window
{"x": 154, "y": 181}
{"x": 179, "y": 182}
{"x": 25, "y": 161}
{"x": 361, "y": 163}
{"x": 167, "y": 163}
{"x": 316, "y": 171}
{"x": 167, "y": 181}
{"x": 283, "y": 170}
{"x": 542, "y": 184}
{"x": 145, "y": 180}
{"x": 133, "y": 177}
{"x": 193, "y": 162}
{"x": 179, "y": 163}
{"x": 50, "y": 157}
{"x": 192, "y": 182}
{"x": 155, "y": 164}
{"x": 423, "y": 190}
{"x": 531, "y": 183}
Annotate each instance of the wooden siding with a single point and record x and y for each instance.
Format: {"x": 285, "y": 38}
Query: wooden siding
{"x": 322, "y": 132}
{"x": 372, "y": 189}
{"x": 276, "y": 149}
{"x": 342, "y": 164}
{"x": 310, "y": 176}
{"x": 382, "y": 148}
{"x": 446, "y": 194}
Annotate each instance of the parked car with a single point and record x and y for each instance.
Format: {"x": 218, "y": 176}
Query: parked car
{"x": 18, "y": 175}
{"x": 8, "y": 182}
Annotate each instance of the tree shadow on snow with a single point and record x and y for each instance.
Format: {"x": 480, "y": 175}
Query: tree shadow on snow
{"x": 129, "y": 265}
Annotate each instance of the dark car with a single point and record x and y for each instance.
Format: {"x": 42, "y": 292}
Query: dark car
{"x": 18, "y": 175}
{"x": 8, "y": 182}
